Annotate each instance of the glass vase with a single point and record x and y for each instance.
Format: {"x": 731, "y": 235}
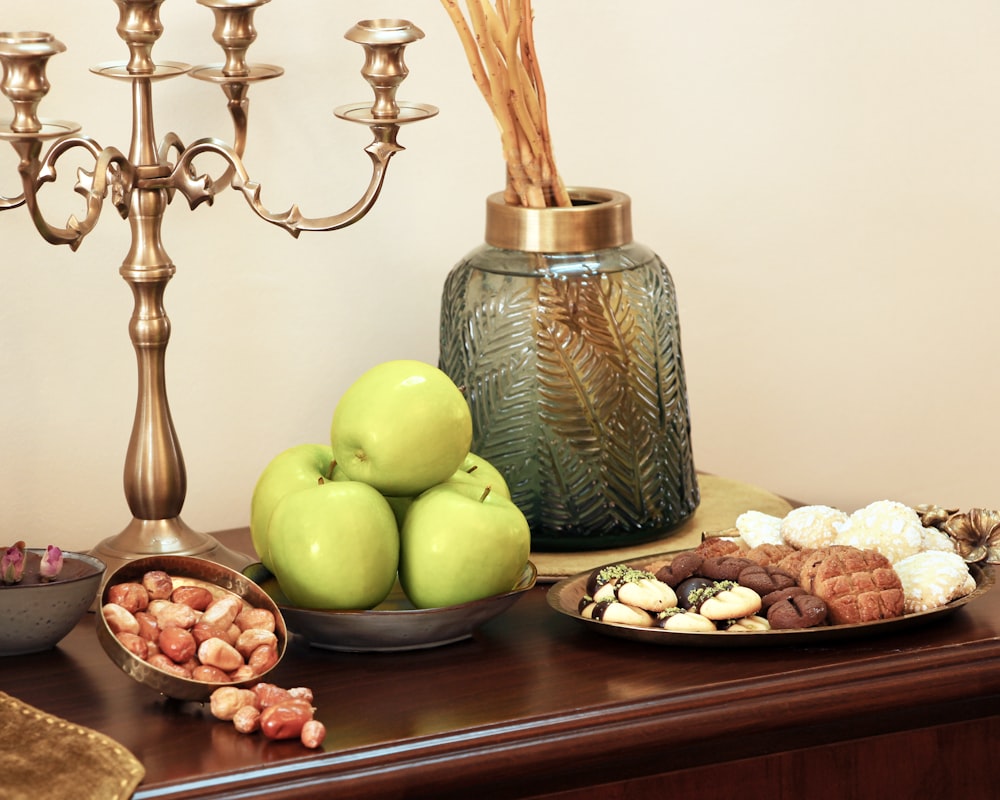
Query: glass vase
{"x": 564, "y": 335}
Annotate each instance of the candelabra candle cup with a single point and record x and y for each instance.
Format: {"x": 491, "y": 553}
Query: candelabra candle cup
{"x": 140, "y": 28}
{"x": 383, "y": 41}
{"x": 234, "y": 32}
{"x": 24, "y": 57}
{"x": 143, "y": 178}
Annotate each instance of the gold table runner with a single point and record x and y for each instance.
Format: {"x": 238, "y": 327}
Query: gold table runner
{"x": 43, "y": 756}
{"x": 722, "y": 501}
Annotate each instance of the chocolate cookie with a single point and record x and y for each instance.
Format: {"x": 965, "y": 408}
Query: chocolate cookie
{"x": 724, "y": 568}
{"x": 764, "y": 580}
{"x": 771, "y": 598}
{"x": 686, "y": 589}
{"x": 682, "y": 567}
{"x": 798, "y": 611}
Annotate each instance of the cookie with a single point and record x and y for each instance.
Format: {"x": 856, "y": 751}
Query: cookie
{"x": 771, "y": 598}
{"x": 769, "y": 554}
{"x": 757, "y": 528}
{"x": 936, "y": 539}
{"x": 798, "y": 611}
{"x": 688, "y": 589}
{"x": 891, "y": 528}
{"x": 932, "y": 579}
{"x": 724, "y": 568}
{"x": 715, "y": 546}
{"x": 764, "y": 580}
{"x": 856, "y": 585}
{"x": 682, "y": 567}
{"x": 811, "y": 526}
{"x": 685, "y": 621}
{"x": 751, "y": 624}
{"x": 733, "y": 603}
{"x": 792, "y": 563}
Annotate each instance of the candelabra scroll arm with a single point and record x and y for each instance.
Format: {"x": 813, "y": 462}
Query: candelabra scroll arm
{"x": 199, "y": 189}
{"x": 7, "y": 203}
{"x": 112, "y": 172}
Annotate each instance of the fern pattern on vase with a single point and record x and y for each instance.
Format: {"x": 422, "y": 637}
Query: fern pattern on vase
{"x": 572, "y": 367}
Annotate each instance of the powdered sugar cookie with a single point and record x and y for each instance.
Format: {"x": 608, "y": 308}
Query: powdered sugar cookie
{"x": 888, "y": 527}
{"x": 932, "y": 579}
{"x": 937, "y": 539}
{"x": 757, "y": 528}
{"x": 811, "y": 526}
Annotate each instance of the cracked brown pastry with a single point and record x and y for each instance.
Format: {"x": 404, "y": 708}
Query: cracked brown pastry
{"x": 769, "y": 554}
{"x": 856, "y": 585}
{"x": 715, "y": 546}
{"x": 792, "y": 563}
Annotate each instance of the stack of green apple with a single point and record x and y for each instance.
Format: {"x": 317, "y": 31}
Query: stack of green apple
{"x": 395, "y": 493}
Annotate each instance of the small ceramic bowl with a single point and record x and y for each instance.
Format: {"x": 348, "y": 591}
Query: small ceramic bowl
{"x": 185, "y": 571}
{"x": 36, "y": 616}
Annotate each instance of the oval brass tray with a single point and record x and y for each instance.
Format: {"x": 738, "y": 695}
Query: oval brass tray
{"x": 565, "y": 597}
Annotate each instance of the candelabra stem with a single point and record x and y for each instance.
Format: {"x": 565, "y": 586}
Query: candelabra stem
{"x": 155, "y": 478}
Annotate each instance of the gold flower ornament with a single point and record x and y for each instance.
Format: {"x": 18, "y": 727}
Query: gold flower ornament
{"x": 976, "y": 532}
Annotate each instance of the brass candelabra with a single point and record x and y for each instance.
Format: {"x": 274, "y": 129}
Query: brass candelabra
{"x": 141, "y": 185}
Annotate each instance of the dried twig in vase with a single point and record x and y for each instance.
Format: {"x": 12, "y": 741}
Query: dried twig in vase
{"x": 498, "y": 40}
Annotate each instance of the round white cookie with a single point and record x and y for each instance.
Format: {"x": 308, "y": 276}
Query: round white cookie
{"x": 757, "y": 528}
{"x": 891, "y": 528}
{"x": 933, "y": 578}
{"x": 937, "y": 539}
{"x": 811, "y": 526}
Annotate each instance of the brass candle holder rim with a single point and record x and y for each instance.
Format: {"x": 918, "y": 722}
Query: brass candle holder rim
{"x": 120, "y": 70}
{"x": 224, "y": 4}
{"x": 215, "y": 73}
{"x": 50, "y": 129}
{"x": 408, "y": 112}
{"x": 597, "y": 220}
{"x": 29, "y": 43}
{"x": 384, "y": 31}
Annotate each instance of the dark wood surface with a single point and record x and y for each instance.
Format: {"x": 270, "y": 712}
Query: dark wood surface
{"x": 535, "y": 704}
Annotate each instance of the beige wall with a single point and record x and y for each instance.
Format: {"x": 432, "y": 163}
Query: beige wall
{"x": 822, "y": 178}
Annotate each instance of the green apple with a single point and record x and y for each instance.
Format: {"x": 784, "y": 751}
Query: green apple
{"x": 399, "y": 505}
{"x": 299, "y": 467}
{"x": 401, "y": 427}
{"x": 474, "y": 469}
{"x": 461, "y": 542}
{"x": 477, "y": 470}
{"x": 335, "y": 546}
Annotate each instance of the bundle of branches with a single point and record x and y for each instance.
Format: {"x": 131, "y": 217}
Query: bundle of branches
{"x": 499, "y": 43}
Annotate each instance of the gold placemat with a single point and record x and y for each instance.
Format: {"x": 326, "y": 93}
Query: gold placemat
{"x": 42, "y": 756}
{"x": 722, "y": 501}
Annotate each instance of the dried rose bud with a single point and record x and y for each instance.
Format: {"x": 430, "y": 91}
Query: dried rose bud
{"x": 52, "y": 563}
{"x": 12, "y": 564}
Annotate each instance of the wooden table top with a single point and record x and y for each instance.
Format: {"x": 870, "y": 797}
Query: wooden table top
{"x": 533, "y": 703}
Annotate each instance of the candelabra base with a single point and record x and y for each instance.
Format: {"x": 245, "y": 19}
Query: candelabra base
{"x": 153, "y": 537}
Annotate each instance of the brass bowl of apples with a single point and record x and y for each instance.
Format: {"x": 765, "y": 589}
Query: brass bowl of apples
{"x": 393, "y": 536}
{"x": 185, "y": 626}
